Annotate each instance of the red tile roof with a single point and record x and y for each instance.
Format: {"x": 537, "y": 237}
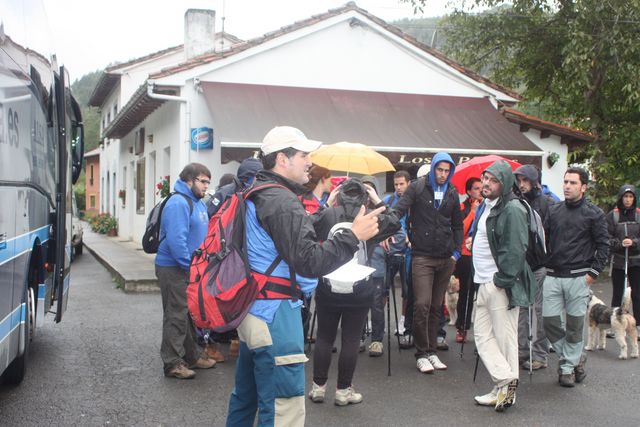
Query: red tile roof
{"x": 351, "y": 6}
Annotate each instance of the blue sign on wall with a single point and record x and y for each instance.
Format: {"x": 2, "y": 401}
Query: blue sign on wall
{"x": 202, "y": 138}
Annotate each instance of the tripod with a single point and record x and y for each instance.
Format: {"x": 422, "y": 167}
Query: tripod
{"x": 389, "y": 284}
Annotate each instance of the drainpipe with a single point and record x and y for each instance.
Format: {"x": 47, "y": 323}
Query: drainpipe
{"x": 151, "y": 94}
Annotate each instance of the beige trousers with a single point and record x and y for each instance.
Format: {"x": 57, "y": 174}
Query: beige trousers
{"x": 495, "y": 330}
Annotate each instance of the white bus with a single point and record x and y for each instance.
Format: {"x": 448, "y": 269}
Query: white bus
{"x": 41, "y": 150}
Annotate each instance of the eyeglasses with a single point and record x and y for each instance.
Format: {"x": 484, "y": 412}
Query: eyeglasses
{"x": 204, "y": 181}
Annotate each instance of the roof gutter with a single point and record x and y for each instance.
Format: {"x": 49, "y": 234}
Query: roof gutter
{"x": 151, "y": 94}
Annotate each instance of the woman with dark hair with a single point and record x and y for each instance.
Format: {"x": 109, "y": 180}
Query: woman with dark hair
{"x": 345, "y": 307}
{"x": 319, "y": 187}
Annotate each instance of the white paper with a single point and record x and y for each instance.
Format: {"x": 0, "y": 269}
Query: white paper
{"x": 350, "y": 272}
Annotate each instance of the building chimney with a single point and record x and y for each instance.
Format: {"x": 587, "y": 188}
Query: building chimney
{"x": 199, "y": 32}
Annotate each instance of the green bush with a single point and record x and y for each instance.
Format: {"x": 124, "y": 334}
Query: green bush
{"x": 103, "y": 223}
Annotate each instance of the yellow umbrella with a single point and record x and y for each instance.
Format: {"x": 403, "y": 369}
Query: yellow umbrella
{"x": 351, "y": 157}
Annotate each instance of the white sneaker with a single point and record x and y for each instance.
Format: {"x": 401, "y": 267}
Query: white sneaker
{"x": 400, "y": 329}
{"x": 425, "y": 366}
{"x": 317, "y": 393}
{"x": 437, "y": 364}
{"x": 506, "y": 396}
{"x": 489, "y": 399}
{"x": 345, "y": 396}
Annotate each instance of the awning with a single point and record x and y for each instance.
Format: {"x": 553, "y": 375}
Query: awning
{"x": 404, "y": 127}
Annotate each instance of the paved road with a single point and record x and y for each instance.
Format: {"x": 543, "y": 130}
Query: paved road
{"x": 101, "y": 367}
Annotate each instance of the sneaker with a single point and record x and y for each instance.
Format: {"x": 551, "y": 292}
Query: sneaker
{"x": 345, "y": 396}
{"x": 180, "y": 371}
{"x": 363, "y": 346}
{"x": 400, "y": 330}
{"x": 506, "y": 396}
{"x": 437, "y": 364}
{"x": 567, "y": 380}
{"x": 203, "y": 363}
{"x": 212, "y": 351}
{"x": 425, "y": 366}
{"x": 406, "y": 341}
{"x": 442, "y": 344}
{"x": 579, "y": 373}
{"x": 461, "y": 336}
{"x": 535, "y": 365}
{"x": 234, "y": 348}
{"x": 375, "y": 349}
{"x": 489, "y": 399}
{"x": 317, "y": 393}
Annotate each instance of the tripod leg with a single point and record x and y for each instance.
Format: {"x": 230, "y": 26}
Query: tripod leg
{"x": 313, "y": 325}
{"x": 388, "y": 336}
{"x": 392, "y": 289}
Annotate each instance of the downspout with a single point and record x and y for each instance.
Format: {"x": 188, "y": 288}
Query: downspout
{"x": 151, "y": 94}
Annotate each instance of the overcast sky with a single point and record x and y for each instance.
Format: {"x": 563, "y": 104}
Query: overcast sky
{"x": 90, "y": 34}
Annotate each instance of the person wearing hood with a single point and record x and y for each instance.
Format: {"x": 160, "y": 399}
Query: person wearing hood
{"x": 349, "y": 310}
{"x": 435, "y": 234}
{"x": 623, "y": 223}
{"x": 183, "y": 227}
{"x": 528, "y": 186}
{"x": 500, "y": 236}
{"x": 247, "y": 171}
{"x": 577, "y": 252}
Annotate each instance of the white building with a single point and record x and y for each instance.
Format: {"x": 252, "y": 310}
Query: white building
{"x": 341, "y": 75}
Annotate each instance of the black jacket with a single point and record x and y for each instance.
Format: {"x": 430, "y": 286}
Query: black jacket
{"x": 578, "y": 241}
{"x": 627, "y": 226}
{"x": 283, "y": 217}
{"x": 223, "y": 193}
{"x": 432, "y": 232}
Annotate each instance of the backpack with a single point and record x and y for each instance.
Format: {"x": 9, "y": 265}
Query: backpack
{"x": 360, "y": 257}
{"x": 537, "y": 248}
{"x": 222, "y": 287}
{"x": 151, "y": 238}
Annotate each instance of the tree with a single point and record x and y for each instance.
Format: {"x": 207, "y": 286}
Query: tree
{"x": 579, "y": 59}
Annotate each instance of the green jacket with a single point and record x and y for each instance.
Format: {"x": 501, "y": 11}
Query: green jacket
{"x": 508, "y": 234}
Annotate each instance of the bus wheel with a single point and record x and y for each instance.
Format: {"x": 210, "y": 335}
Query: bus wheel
{"x": 14, "y": 374}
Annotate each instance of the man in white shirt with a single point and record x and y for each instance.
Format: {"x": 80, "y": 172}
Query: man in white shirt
{"x": 500, "y": 239}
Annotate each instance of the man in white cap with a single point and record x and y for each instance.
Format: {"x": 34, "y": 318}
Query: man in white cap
{"x": 281, "y": 242}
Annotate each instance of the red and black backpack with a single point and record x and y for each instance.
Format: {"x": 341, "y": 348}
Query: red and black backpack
{"x": 222, "y": 287}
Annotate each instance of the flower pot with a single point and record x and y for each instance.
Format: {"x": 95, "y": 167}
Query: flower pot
{"x": 113, "y": 232}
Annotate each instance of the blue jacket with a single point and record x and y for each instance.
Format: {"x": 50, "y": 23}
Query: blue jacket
{"x": 262, "y": 251}
{"x": 181, "y": 234}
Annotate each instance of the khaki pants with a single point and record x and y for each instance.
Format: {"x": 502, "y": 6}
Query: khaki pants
{"x": 495, "y": 330}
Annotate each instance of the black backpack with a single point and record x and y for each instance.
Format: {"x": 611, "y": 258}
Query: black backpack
{"x": 537, "y": 248}
{"x": 151, "y": 238}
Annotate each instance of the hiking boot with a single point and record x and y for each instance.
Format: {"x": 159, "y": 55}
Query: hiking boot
{"x": 212, "y": 351}
{"x": 425, "y": 366}
{"x": 406, "y": 341}
{"x": 506, "y": 396}
{"x": 535, "y": 365}
{"x": 461, "y": 336}
{"x": 442, "y": 344}
{"x": 345, "y": 396}
{"x": 375, "y": 349}
{"x": 203, "y": 363}
{"x": 317, "y": 393}
{"x": 437, "y": 364}
{"x": 579, "y": 373}
{"x": 489, "y": 399}
{"x": 234, "y": 348}
{"x": 567, "y": 380}
{"x": 180, "y": 371}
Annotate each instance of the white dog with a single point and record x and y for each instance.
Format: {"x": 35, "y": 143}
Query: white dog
{"x": 619, "y": 320}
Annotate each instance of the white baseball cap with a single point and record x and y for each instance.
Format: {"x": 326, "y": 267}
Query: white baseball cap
{"x": 424, "y": 169}
{"x": 281, "y": 137}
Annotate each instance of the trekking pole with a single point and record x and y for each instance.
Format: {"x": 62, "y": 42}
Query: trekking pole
{"x": 475, "y": 369}
{"x": 627, "y": 287}
{"x": 466, "y": 313}
{"x": 530, "y": 320}
{"x": 388, "y": 335}
{"x": 392, "y": 289}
